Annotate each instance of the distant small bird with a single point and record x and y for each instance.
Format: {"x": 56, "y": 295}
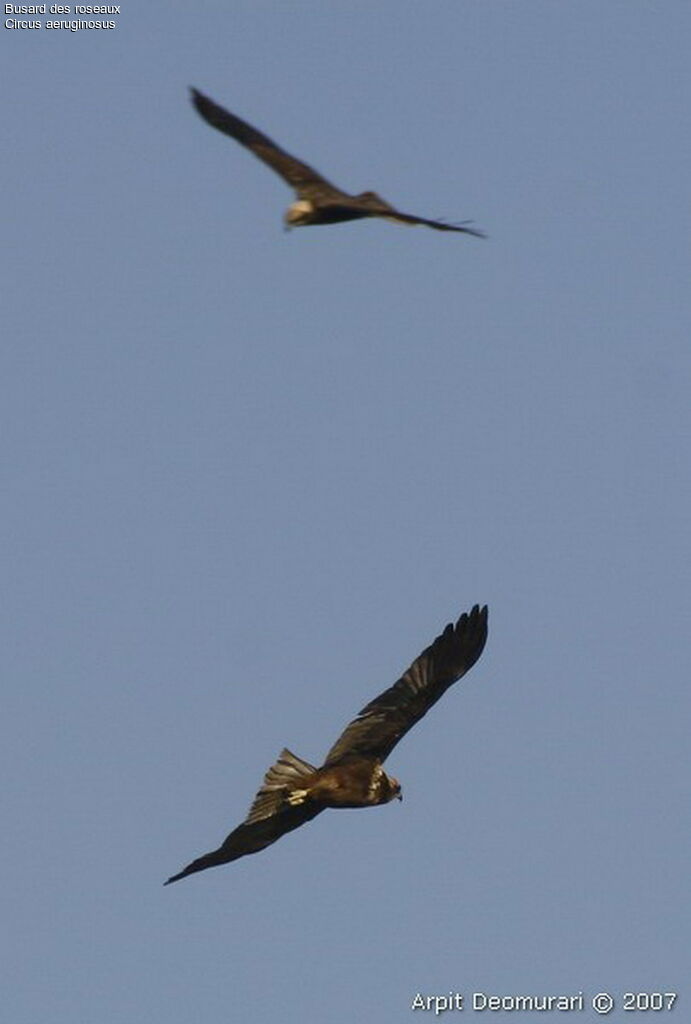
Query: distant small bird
{"x": 294, "y": 791}
{"x": 318, "y": 201}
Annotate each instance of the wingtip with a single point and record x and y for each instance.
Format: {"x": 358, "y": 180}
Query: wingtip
{"x": 475, "y": 232}
{"x": 175, "y": 878}
{"x": 462, "y": 225}
{"x": 474, "y": 621}
{"x": 478, "y": 611}
{"x": 481, "y": 612}
{"x": 196, "y": 97}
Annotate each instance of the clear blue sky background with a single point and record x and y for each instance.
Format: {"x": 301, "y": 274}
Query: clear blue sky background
{"x": 248, "y": 476}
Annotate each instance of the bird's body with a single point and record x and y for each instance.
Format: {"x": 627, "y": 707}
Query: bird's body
{"x": 318, "y": 201}
{"x": 294, "y": 791}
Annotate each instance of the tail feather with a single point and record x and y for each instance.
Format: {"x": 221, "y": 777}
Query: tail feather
{"x": 288, "y": 773}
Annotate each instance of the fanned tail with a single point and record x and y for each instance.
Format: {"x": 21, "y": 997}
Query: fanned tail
{"x": 288, "y": 773}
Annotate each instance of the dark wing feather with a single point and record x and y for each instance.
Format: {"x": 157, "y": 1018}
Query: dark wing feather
{"x": 304, "y": 179}
{"x": 382, "y": 723}
{"x": 251, "y": 838}
{"x": 375, "y": 206}
{"x": 439, "y": 225}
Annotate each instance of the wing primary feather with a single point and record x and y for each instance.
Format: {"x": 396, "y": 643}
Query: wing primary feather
{"x": 298, "y": 174}
{"x": 386, "y": 719}
{"x": 250, "y": 838}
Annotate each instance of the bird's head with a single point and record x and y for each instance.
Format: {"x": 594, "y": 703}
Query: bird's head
{"x": 298, "y": 213}
{"x": 390, "y": 789}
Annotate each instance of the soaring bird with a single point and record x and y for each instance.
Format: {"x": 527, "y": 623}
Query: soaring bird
{"x": 294, "y": 791}
{"x": 318, "y": 201}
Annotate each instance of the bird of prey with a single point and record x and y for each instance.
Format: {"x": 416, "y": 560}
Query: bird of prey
{"x": 318, "y": 201}
{"x": 294, "y": 791}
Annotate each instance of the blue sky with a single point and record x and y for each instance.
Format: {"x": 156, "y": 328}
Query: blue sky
{"x": 250, "y": 475}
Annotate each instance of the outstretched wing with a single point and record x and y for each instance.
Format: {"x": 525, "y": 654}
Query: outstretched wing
{"x": 439, "y": 225}
{"x": 382, "y": 723}
{"x": 269, "y": 817}
{"x": 251, "y": 837}
{"x": 303, "y": 178}
{"x": 374, "y": 206}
